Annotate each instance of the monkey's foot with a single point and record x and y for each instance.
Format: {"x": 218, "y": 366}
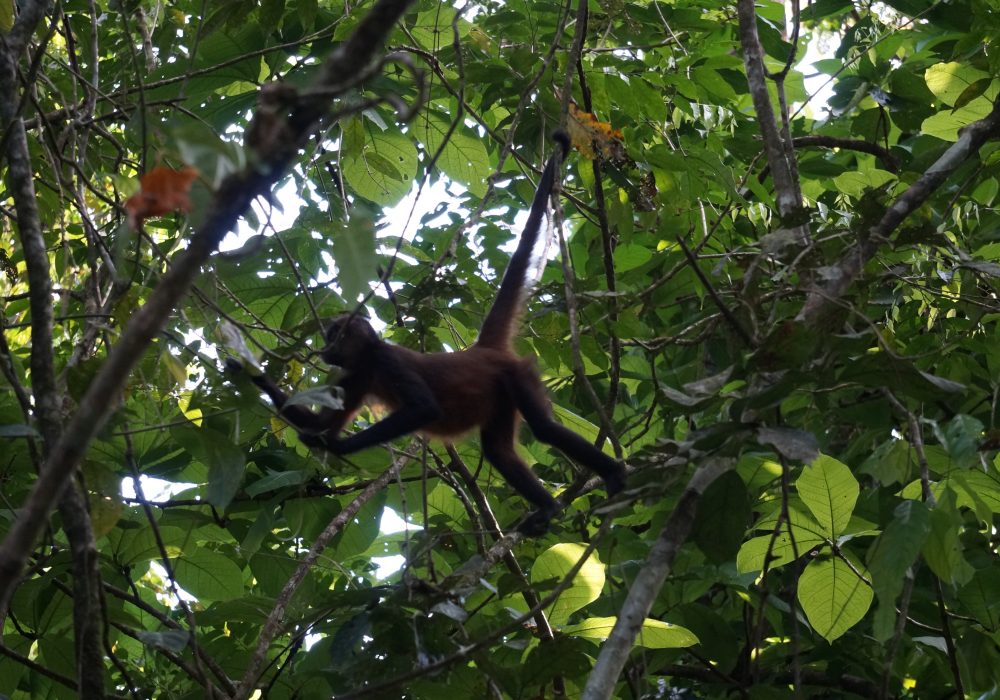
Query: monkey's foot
{"x": 614, "y": 483}
{"x": 537, "y": 523}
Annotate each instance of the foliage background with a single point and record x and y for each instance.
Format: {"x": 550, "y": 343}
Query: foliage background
{"x": 814, "y": 328}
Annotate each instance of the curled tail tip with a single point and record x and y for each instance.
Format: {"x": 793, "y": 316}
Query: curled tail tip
{"x": 562, "y": 138}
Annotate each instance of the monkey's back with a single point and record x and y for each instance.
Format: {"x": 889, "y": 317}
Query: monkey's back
{"x": 470, "y": 386}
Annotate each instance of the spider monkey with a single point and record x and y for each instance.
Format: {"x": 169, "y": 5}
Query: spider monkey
{"x": 446, "y": 394}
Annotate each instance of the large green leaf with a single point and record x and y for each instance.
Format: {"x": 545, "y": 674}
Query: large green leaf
{"x": 555, "y": 563}
{"x": 777, "y": 550}
{"x": 943, "y": 549}
{"x": 830, "y": 491}
{"x": 463, "y": 155}
{"x": 378, "y": 165}
{"x": 892, "y": 555}
{"x": 208, "y": 575}
{"x": 354, "y": 252}
{"x": 833, "y": 596}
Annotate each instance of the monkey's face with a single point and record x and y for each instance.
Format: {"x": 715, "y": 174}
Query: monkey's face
{"x": 349, "y": 341}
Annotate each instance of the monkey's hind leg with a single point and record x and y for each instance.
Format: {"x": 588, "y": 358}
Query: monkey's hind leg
{"x": 498, "y": 447}
{"x": 529, "y": 396}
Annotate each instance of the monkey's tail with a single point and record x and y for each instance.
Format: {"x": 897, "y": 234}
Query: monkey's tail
{"x": 498, "y": 328}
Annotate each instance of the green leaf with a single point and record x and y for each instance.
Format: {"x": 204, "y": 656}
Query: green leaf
{"x": 433, "y": 28}
{"x": 463, "y": 157}
{"x": 830, "y": 491}
{"x": 277, "y": 480}
{"x": 353, "y": 250}
{"x": 723, "y": 513}
{"x": 898, "y": 547}
{"x": 378, "y": 165}
{"x": 979, "y": 597}
{"x": 975, "y": 90}
{"x": 961, "y": 437}
{"x": 833, "y": 597}
{"x": 307, "y": 517}
{"x": 359, "y": 533}
{"x": 943, "y": 550}
{"x": 442, "y": 501}
{"x": 976, "y": 488}
{"x": 946, "y": 125}
{"x": 208, "y": 575}
{"x": 225, "y": 462}
{"x": 890, "y": 463}
{"x": 578, "y": 424}
{"x": 856, "y": 183}
{"x": 629, "y": 256}
{"x": 808, "y": 534}
{"x": 555, "y": 563}
{"x": 654, "y": 634}
{"x": 891, "y": 556}
{"x": 950, "y": 81}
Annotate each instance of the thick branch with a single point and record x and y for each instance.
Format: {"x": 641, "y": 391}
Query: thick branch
{"x": 87, "y": 623}
{"x": 874, "y": 149}
{"x": 648, "y": 582}
{"x": 970, "y": 140}
{"x": 29, "y": 14}
{"x": 789, "y": 198}
{"x": 233, "y": 197}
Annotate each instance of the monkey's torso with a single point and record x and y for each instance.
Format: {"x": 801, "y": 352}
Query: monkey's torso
{"x": 470, "y": 386}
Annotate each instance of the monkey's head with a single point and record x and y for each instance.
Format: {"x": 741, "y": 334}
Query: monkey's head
{"x": 349, "y": 341}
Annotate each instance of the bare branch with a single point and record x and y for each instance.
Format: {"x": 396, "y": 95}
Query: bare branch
{"x": 647, "y": 584}
{"x": 789, "y": 198}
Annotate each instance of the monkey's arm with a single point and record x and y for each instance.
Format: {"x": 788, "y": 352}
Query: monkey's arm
{"x": 416, "y": 403}
{"x": 306, "y": 421}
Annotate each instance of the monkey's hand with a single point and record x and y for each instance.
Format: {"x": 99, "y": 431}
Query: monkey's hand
{"x": 321, "y": 442}
{"x": 237, "y": 367}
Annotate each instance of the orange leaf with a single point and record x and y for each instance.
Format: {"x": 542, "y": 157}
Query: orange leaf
{"x": 162, "y": 190}
{"x": 592, "y": 137}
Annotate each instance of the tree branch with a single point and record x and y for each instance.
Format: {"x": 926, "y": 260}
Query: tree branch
{"x": 647, "y": 584}
{"x": 874, "y": 149}
{"x": 340, "y": 72}
{"x": 87, "y": 623}
{"x": 789, "y": 198}
{"x": 970, "y": 140}
{"x": 29, "y": 14}
{"x": 277, "y": 617}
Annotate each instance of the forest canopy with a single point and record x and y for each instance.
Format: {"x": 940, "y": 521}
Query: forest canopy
{"x": 769, "y": 287}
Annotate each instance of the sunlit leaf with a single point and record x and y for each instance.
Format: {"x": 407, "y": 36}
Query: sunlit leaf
{"x": 555, "y": 563}
{"x": 654, "y": 634}
{"x": 833, "y": 596}
{"x": 830, "y": 491}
